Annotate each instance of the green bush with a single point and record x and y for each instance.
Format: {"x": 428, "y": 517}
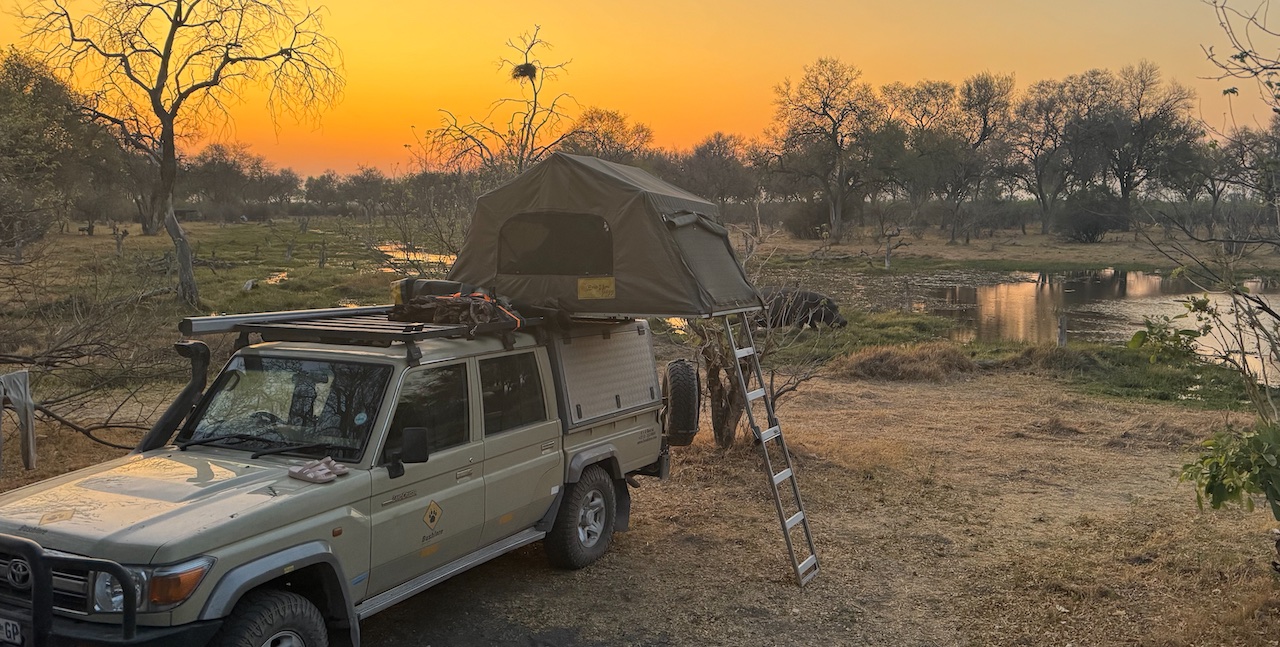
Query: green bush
{"x": 1237, "y": 464}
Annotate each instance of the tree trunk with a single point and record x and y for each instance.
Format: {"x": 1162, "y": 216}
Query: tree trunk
{"x": 835, "y": 217}
{"x": 150, "y": 215}
{"x": 188, "y": 291}
{"x": 725, "y": 400}
{"x": 726, "y": 404}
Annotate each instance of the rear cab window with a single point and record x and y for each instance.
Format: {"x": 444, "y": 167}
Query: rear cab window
{"x": 513, "y": 395}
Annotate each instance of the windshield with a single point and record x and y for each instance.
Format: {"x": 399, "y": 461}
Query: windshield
{"x": 326, "y": 408}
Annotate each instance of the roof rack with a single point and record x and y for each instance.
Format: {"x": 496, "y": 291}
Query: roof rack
{"x": 367, "y": 325}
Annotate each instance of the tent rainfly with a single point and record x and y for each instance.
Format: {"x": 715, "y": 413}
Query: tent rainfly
{"x": 596, "y": 239}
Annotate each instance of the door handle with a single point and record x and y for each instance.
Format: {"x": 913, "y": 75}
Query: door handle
{"x": 550, "y": 445}
{"x": 463, "y": 473}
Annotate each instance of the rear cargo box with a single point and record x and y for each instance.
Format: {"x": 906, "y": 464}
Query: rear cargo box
{"x": 606, "y": 369}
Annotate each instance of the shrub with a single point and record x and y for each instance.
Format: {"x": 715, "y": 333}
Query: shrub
{"x": 806, "y": 220}
{"x": 1089, "y": 214}
{"x": 1237, "y": 464}
{"x": 934, "y": 361}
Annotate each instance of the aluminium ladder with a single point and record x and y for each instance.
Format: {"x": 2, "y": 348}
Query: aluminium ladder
{"x": 804, "y": 563}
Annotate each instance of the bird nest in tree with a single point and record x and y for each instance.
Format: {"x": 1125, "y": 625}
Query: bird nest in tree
{"x": 525, "y": 71}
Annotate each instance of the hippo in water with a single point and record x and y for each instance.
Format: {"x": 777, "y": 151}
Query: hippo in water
{"x": 794, "y": 307}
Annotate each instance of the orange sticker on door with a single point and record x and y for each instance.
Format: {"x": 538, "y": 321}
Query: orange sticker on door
{"x": 432, "y": 517}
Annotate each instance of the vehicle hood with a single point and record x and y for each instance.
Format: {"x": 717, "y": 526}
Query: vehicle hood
{"x": 128, "y": 508}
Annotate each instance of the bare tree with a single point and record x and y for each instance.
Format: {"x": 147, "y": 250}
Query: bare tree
{"x": 821, "y": 128}
{"x": 1038, "y": 137}
{"x": 716, "y": 168}
{"x": 1152, "y": 118}
{"x": 428, "y": 215}
{"x": 165, "y": 68}
{"x": 607, "y": 134}
{"x": 969, "y": 147}
{"x": 1251, "y": 52}
{"x": 532, "y": 122}
{"x": 88, "y": 343}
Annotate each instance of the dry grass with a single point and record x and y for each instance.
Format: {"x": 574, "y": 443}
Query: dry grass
{"x": 58, "y": 450}
{"x": 935, "y": 361}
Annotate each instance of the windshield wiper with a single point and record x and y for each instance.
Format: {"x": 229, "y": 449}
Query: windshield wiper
{"x": 291, "y": 448}
{"x": 213, "y": 439}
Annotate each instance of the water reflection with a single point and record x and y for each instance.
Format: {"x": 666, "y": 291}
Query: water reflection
{"x": 401, "y": 256}
{"x": 1099, "y": 305}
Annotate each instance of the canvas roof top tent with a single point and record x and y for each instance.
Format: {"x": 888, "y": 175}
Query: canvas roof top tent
{"x": 595, "y": 239}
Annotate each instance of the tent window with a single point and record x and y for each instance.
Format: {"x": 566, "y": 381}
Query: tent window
{"x": 565, "y": 244}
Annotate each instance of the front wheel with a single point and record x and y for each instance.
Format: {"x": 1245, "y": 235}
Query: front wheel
{"x": 584, "y": 525}
{"x": 269, "y": 618}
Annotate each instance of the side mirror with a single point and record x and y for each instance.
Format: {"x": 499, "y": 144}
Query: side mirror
{"x": 414, "y": 447}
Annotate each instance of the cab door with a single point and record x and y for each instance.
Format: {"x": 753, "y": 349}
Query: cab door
{"x": 523, "y": 464}
{"x": 434, "y": 512}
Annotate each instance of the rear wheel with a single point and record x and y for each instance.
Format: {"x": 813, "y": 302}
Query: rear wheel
{"x": 584, "y": 525}
{"x": 683, "y": 397}
{"x": 270, "y": 618}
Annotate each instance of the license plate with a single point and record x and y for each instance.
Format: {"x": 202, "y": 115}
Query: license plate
{"x": 10, "y": 631}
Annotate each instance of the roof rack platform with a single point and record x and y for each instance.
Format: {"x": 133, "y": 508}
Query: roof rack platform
{"x": 367, "y": 325}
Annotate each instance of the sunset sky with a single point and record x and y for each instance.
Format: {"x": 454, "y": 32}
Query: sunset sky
{"x": 689, "y": 68}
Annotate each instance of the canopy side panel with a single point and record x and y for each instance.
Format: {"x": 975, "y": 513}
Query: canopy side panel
{"x": 722, "y": 284}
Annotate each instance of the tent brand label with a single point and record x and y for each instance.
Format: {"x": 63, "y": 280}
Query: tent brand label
{"x": 596, "y": 288}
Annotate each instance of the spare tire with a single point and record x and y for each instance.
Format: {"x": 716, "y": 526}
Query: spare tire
{"x": 682, "y": 395}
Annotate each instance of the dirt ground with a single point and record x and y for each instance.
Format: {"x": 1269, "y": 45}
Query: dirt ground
{"x": 996, "y": 509}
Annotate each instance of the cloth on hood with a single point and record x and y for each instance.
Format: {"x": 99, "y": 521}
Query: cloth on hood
{"x": 15, "y": 390}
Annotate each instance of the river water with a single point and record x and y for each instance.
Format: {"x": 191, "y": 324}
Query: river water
{"x": 1099, "y": 305}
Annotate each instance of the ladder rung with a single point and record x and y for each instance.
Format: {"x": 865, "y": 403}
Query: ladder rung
{"x": 795, "y": 519}
{"x": 755, "y": 395}
{"x": 810, "y": 564}
{"x": 770, "y": 434}
{"x": 782, "y": 476}
{"x": 745, "y": 352}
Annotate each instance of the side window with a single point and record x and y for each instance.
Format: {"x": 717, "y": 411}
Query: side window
{"x": 435, "y": 398}
{"x": 512, "y": 392}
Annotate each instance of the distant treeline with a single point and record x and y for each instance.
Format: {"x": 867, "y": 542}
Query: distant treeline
{"x": 1095, "y": 152}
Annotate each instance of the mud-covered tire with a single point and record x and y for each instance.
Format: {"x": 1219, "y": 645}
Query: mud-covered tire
{"x": 584, "y": 525}
{"x": 683, "y": 396}
{"x": 271, "y": 618}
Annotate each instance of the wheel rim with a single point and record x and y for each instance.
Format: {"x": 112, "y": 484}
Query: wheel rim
{"x": 285, "y": 639}
{"x": 591, "y": 519}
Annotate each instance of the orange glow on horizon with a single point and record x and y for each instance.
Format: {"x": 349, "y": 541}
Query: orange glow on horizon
{"x": 690, "y": 69}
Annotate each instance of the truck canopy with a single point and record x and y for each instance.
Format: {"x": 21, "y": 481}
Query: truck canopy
{"x": 595, "y": 239}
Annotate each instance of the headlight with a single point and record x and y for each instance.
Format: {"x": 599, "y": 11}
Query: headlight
{"x": 108, "y": 594}
{"x": 158, "y": 588}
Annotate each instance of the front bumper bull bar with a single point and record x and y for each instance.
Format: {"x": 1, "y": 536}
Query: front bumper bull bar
{"x": 38, "y": 627}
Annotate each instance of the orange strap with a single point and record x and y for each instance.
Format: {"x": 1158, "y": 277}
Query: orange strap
{"x": 490, "y": 299}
